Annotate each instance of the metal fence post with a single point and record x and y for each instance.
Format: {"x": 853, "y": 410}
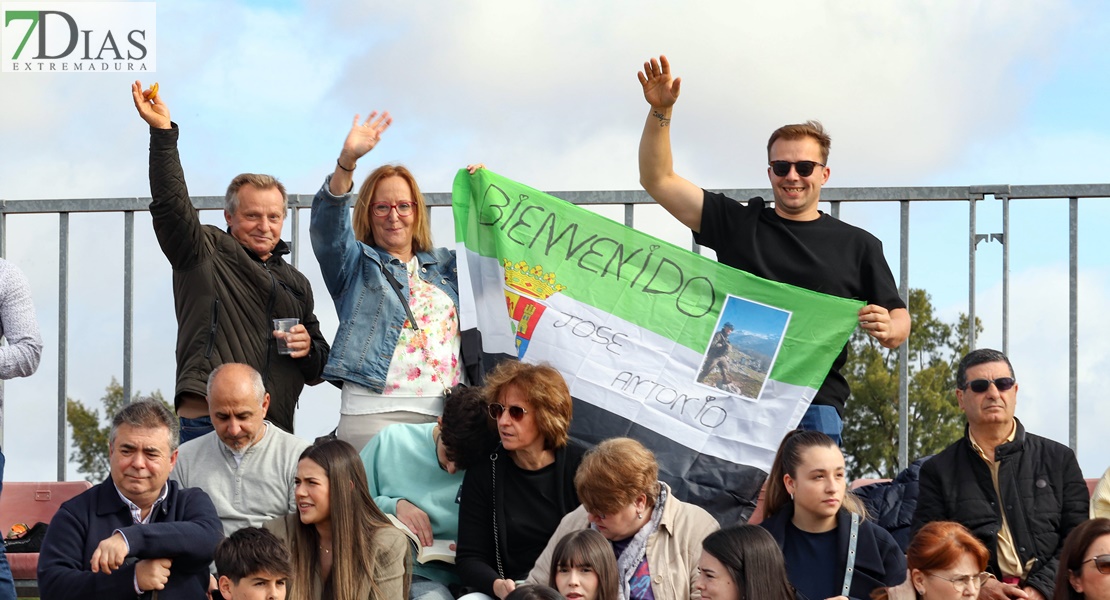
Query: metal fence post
{"x": 904, "y": 350}
{"x": 128, "y": 300}
{"x": 1073, "y": 323}
{"x": 63, "y": 340}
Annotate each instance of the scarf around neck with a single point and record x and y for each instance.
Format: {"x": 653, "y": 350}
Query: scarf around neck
{"x": 636, "y": 550}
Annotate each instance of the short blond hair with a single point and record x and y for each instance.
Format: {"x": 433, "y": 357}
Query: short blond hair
{"x": 614, "y": 473}
{"x": 797, "y": 131}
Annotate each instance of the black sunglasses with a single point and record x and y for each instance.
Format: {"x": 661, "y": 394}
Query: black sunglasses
{"x": 516, "y": 413}
{"x": 1102, "y": 563}
{"x": 981, "y": 385}
{"x": 781, "y": 168}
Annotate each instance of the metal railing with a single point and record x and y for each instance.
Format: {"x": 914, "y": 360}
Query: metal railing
{"x": 834, "y": 197}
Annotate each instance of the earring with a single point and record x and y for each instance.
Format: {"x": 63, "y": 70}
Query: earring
{"x": 639, "y": 515}
{"x": 791, "y": 496}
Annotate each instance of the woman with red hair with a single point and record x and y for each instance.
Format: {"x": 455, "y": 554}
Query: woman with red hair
{"x": 945, "y": 562}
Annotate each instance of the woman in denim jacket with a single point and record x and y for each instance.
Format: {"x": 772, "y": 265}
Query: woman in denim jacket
{"x": 392, "y": 370}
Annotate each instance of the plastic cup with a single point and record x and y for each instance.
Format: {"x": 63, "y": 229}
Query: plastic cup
{"x": 283, "y": 326}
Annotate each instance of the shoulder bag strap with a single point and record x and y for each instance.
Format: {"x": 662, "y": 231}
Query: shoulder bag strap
{"x": 852, "y": 537}
{"x": 396, "y": 285}
{"x": 493, "y": 503}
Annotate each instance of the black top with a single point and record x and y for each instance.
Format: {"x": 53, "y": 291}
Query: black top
{"x": 529, "y": 506}
{"x": 879, "y": 560}
{"x": 824, "y": 255}
{"x": 808, "y": 563}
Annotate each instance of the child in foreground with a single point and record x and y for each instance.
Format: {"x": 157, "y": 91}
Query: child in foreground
{"x": 252, "y": 564}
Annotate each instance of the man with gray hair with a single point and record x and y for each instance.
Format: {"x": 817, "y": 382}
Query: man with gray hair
{"x": 1019, "y": 493}
{"x": 229, "y": 286}
{"x": 246, "y": 465}
{"x": 136, "y": 532}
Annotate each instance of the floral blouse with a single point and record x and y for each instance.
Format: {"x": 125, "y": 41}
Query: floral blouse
{"x": 425, "y": 361}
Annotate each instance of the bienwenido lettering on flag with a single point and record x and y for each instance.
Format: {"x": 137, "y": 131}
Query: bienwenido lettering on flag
{"x": 707, "y": 365}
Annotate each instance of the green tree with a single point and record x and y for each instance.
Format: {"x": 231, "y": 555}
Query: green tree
{"x": 90, "y": 434}
{"x": 935, "y": 420}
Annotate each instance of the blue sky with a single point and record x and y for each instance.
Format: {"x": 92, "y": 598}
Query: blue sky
{"x": 940, "y": 93}
{"x": 747, "y": 316}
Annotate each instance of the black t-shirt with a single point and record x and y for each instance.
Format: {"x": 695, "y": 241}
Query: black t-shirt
{"x": 824, "y": 255}
{"x": 533, "y": 511}
{"x": 811, "y": 563}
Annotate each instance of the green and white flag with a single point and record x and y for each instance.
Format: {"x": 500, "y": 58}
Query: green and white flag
{"x": 707, "y": 365}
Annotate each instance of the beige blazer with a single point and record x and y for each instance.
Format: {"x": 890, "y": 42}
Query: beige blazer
{"x": 672, "y": 550}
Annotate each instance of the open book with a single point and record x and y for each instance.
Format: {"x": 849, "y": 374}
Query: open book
{"x": 439, "y": 550}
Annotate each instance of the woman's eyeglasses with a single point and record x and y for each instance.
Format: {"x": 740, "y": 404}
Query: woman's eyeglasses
{"x": 516, "y": 413}
{"x": 981, "y": 385}
{"x": 382, "y": 209}
{"x": 781, "y": 168}
{"x": 964, "y": 582}
{"x": 1102, "y": 563}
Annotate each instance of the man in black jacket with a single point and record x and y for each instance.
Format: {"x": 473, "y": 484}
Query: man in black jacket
{"x": 230, "y": 285}
{"x": 1019, "y": 493}
{"x": 137, "y": 534}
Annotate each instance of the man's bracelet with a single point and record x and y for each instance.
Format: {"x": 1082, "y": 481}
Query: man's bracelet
{"x": 340, "y": 165}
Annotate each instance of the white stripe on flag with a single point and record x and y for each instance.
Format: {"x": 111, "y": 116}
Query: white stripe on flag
{"x": 635, "y": 373}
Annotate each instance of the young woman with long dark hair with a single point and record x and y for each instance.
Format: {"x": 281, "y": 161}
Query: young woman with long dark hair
{"x": 342, "y": 545}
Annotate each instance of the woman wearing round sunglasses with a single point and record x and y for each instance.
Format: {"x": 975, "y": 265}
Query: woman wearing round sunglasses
{"x": 1084, "y": 571}
{"x": 945, "y": 562}
{"x": 510, "y": 505}
{"x": 396, "y": 294}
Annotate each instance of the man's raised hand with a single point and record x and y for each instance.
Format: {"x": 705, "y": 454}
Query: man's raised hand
{"x": 152, "y": 110}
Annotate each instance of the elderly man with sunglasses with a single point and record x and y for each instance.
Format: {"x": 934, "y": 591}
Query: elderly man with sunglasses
{"x": 792, "y": 243}
{"x": 1019, "y": 493}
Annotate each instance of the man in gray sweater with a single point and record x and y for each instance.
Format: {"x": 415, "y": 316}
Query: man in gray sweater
{"x": 247, "y": 464}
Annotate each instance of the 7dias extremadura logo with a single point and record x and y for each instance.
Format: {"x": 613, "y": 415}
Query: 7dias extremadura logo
{"x": 94, "y": 37}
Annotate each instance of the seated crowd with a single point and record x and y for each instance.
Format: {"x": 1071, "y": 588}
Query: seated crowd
{"x": 536, "y": 516}
{"x": 245, "y": 509}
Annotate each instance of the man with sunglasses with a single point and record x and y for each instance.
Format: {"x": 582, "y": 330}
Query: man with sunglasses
{"x": 1019, "y": 493}
{"x": 792, "y": 243}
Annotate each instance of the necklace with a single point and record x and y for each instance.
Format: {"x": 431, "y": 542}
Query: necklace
{"x": 326, "y": 550}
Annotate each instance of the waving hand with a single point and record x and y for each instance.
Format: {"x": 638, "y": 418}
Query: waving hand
{"x": 360, "y": 139}
{"x": 660, "y": 89}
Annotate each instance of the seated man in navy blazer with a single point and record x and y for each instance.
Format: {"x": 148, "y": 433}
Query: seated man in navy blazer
{"x": 137, "y": 532}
